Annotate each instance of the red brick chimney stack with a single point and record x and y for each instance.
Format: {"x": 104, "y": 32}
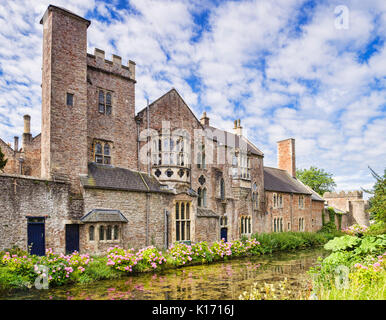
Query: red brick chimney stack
{"x": 286, "y": 156}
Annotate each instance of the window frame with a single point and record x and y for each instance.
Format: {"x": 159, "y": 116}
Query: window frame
{"x": 105, "y": 158}
{"x": 103, "y": 103}
{"x": 183, "y": 221}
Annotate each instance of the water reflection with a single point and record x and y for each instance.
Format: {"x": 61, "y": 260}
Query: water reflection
{"x": 215, "y": 281}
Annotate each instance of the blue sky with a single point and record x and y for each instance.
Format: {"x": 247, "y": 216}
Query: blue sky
{"x": 283, "y": 67}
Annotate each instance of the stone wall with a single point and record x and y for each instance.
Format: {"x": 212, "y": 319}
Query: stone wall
{"x": 23, "y": 197}
{"x": 64, "y": 71}
{"x": 350, "y": 202}
{"x": 134, "y": 206}
{"x": 119, "y": 127}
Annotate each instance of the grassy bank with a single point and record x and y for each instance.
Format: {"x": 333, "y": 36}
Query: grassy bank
{"x": 19, "y": 270}
{"x": 355, "y": 269}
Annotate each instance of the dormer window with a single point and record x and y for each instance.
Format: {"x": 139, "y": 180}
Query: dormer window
{"x": 105, "y": 102}
{"x": 102, "y": 152}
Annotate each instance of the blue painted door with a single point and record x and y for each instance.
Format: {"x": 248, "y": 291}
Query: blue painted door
{"x": 72, "y": 238}
{"x": 224, "y": 234}
{"x": 36, "y": 238}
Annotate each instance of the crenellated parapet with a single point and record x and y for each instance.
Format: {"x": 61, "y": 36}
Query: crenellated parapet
{"x": 342, "y": 194}
{"x": 114, "y": 66}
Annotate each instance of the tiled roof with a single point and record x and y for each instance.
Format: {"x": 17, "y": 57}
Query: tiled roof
{"x": 250, "y": 146}
{"x": 201, "y": 212}
{"x": 314, "y": 195}
{"x": 281, "y": 181}
{"x": 110, "y": 177}
{"x": 104, "y": 215}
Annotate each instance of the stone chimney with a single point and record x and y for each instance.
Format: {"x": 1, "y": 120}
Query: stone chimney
{"x": 238, "y": 129}
{"x": 27, "y": 131}
{"x": 204, "y": 119}
{"x": 286, "y": 156}
{"x": 16, "y": 144}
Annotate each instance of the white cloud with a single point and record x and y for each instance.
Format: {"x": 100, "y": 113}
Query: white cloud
{"x": 247, "y": 63}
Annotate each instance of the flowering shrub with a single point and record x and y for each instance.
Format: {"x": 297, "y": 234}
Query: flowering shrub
{"x": 367, "y": 274}
{"x": 121, "y": 259}
{"x": 252, "y": 246}
{"x": 181, "y": 253}
{"x": 355, "y": 230}
{"x": 151, "y": 257}
{"x": 128, "y": 261}
{"x": 238, "y": 248}
{"x": 221, "y": 249}
{"x": 62, "y": 268}
{"x": 22, "y": 265}
{"x": 202, "y": 252}
{"x": 58, "y": 268}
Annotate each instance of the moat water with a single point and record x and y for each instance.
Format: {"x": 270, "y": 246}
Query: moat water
{"x": 217, "y": 281}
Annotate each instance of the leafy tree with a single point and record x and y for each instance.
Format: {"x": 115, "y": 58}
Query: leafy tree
{"x": 3, "y": 161}
{"x": 378, "y": 201}
{"x": 317, "y": 179}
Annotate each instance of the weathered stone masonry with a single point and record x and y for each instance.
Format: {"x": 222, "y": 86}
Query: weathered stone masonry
{"x": 84, "y": 173}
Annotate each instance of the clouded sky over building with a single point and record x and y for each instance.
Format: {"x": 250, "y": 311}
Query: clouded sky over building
{"x": 289, "y": 68}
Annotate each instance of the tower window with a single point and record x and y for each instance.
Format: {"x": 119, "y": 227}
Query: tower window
{"x": 105, "y": 102}
{"x": 69, "y": 99}
{"x": 102, "y": 152}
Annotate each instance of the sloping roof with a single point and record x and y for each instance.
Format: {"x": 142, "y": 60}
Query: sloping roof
{"x": 280, "y": 180}
{"x": 201, "y": 212}
{"x": 338, "y": 210}
{"x": 104, "y": 215}
{"x": 234, "y": 137}
{"x": 139, "y": 113}
{"x": 314, "y": 195}
{"x": 110, "y": 177}
{"x": 250, "y": 146}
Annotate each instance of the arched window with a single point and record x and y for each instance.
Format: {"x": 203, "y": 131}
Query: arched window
{"x": 249, "y": 225}
{"x": 300, "y": 224}
{"x": 116, "y": 232}
{"x": 199, "y": 200}
{"x": 242, "y": 225}
{"x": 204, "y": 197}
{"x": 274, "y": 225}
{"x": 222, "y": 189}
{"x": 101, "y": 233}
{"x": 281, "y": 224}
{"x": 109, "y": 233}
{"x": 91, "y": 232}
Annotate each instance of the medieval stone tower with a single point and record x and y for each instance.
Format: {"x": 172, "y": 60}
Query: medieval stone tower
{"x": 88, "y": 105}
{"x": 64, "y": 95}
{"x": 351, "y": 203}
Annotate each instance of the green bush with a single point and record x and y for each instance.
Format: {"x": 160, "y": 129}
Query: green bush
{"x": 284, "y": 241}
{"x": 376, "y": 228}
{"x": 99, "y": 270}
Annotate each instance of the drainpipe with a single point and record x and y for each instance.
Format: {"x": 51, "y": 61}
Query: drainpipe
{"x": 138, "y": 142}
{"x": 166, "y": 228}
{"x": 291, "y": 208}
{"x": 147, "y": 217}
{"x": 148, "y": 143}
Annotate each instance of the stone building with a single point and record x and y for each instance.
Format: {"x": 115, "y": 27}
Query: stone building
{"x": 350, "y": 205}
{"x": 100, "y": 175}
